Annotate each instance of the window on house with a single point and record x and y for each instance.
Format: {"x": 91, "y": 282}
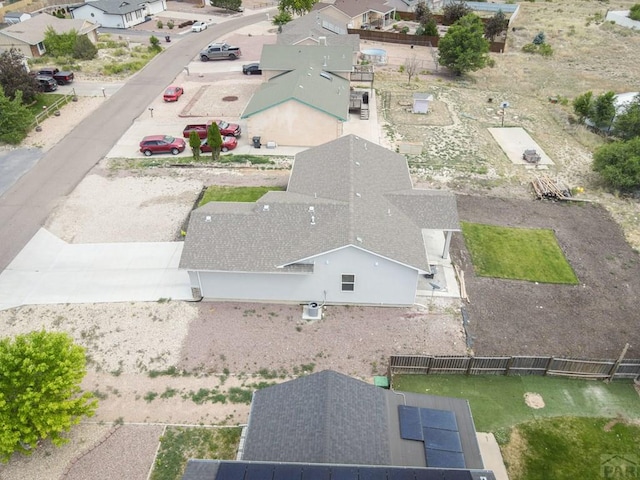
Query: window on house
{"x": 348, "y": 283}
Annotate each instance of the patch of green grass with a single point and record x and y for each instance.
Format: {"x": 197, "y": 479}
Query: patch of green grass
{"x": 517, "y": 253}
{"x": 178, "y": 444}
{"x": 573, "y": 448}
{"x": 216, "y": 193}
{"x": 498, "y": 401}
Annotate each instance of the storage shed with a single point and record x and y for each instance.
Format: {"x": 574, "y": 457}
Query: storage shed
{"x": 421, "y": 102}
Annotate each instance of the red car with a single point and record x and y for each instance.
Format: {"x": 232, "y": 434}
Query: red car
{"x": 162, "y": 144}
{"x": 228, "y": 129}
{"x": 173, "y": 93}
{"x": 228, "y": 143}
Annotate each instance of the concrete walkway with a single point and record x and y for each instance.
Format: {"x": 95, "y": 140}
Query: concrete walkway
{"x": 49, "y": 271}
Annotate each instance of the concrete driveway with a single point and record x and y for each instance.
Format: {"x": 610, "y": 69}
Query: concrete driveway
{"x": 49, "y": 271}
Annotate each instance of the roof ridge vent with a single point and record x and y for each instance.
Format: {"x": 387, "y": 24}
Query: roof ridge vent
{"x": 313, "y": 220}
{"x": 265, "y": 208}
{"x": 311, "y": 208}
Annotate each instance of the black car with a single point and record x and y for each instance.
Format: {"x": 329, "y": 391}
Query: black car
{"x": 46, "y": 83}
{"x": 252, "y": 69}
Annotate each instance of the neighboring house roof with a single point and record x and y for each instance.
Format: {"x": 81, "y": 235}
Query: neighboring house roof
{"x": 311, "y": 86}
{"x": 292, "y": 57}
{"x": 310, "y": 26}
{"x": 355, "y": 8}
{"x": 118, "y": 7}
{"x": 347, "y": 192}
{"x": 230, "y": 470}
{"x": 32, "y": 30}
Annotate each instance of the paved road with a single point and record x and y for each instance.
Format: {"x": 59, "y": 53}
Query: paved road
{"x": 26, "y": 205}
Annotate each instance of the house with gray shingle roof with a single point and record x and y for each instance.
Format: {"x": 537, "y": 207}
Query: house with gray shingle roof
{"x": 28, "y": 36}
{"x": 119, "y": 13}
{"x": 317, "y": 28}
{"x": 327, "y": 419}
{"x": 305, "y": 98}
{"x": 348, "y": 230}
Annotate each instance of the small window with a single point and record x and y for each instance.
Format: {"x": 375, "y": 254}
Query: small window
{"x": 348, "y": 283}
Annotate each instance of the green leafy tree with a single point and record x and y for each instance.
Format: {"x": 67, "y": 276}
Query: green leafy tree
{"x": 84, "y": 49}
{"x": 40, "y": 395}
{"x": 463, "y": 48}
{"x": 194, "y": 143}
{"x": 603, "y": 111}
{"x": 634, "y": 12}
{"x": 495, "y": 25}
{"x": 154, "y": 44}
{"x": 582, "y": 105}
{"x": 214, "y": 139}
{"x": 15, "y": 120}
{"x": 619, "y": 163}
{"x": 423, "y": 13}
{"x": 454, "y": 11}
{"x": 627, "y": 123}
{"x": 297, "y": 7}
{"x": 233, "y": 5}
{"x": 14, "y": 76}
{"x": 60, "y": 44}
{"x": 282, "y": 18}
{"x": 430, "y": 29}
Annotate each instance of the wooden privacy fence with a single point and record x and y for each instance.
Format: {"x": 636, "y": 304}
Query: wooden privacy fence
{"x": 520, "y": 365}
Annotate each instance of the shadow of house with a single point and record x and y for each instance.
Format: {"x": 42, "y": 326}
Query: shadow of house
{"x": 330, "y": 426}
{"x": 348, "y": 230}
{"x": 28, "y": 36}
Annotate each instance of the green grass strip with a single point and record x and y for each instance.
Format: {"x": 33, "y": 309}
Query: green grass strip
{"x": 217, "y": 193}
{"x": 517, "y": 253}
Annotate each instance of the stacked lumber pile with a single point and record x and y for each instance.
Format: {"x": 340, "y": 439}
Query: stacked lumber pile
{"x": 545, "y": 187}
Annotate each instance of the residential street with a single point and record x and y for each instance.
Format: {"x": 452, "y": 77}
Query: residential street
{"x": 27, "y": 204}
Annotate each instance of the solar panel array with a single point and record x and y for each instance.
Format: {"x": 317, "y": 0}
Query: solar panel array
{"x": 438, "y": 429}
{"x": 274, "y": 471}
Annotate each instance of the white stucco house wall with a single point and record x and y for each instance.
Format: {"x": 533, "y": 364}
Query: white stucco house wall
{"x": 348, "y": 230}
{"x": 119, "y": 13}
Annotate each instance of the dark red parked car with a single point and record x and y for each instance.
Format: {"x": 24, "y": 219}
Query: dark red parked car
{"x": 162, "y": 144}
{"x": 228, "y": 143}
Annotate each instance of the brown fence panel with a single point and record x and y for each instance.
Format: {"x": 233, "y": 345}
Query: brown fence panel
{"x": 572, "y": 367}
{"x": 488, "y": 365}
{"x": 452, "y": 364}
{"x": 628, "y": 369}
{"x": 525, "y": 365}
{"x": 412, "y": 364}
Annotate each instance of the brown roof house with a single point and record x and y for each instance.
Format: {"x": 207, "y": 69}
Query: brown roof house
{"x": 349, "y": 229}
{"x": 28, "y": 36}
{"x": 328, "y": 426}
{"x": 358, "y": 13}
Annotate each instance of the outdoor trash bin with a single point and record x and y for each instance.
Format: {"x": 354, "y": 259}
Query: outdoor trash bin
{"x": 256, "y": 142}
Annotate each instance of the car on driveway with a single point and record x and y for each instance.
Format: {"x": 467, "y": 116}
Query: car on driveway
{"x": 173, "y": 93}
{"x": 228, "y": 143}
{"x": 252, "y": 69}
{"x": 198, "y": 26}
{"x": 162, "y": 144}
{"x": 46, "y": 83}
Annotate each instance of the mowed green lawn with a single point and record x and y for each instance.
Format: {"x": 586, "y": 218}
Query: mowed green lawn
{"x": 217, "y": 193}
{"x": 581, "y": 424}
{"x": 517, "y": 253}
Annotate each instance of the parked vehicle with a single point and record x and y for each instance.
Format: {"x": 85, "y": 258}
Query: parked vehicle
{"x": 220, "y": 50}
{"x": 252, "y": 69}
{"x": 162, "y": 144}
{"x": 198, "y": 26}
{"x": 46, "y": 84}
{"x": 228, "y": 143}
{"x": 226, "y": 129}
{"x": 62, "y": 78}
{"x": 173, "y": 93}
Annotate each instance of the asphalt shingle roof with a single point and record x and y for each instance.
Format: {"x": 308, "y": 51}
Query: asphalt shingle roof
{"x": 310, "y": 26}
{"x": 118, "y": 7}
{"x": 346, "y": 192}
{"x": 338, "y": 58}
{"x": 32, "y": 30}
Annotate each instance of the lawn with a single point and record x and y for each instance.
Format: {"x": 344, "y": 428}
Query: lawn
{"x": 178, "y": 444}
{"x": 517, "y": 253}
{"x": 497, "y": 402}
{"x": 217, "y": 193}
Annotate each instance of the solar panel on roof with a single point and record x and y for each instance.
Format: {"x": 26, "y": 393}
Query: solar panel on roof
{"x": 442, "y": 439}
{"x": 258, "y": 471}
{"x": 410, "y": 422}
{"x": 344, "y": 473}
{"x": 287, "y": 472}
{"x": 457, "y": 475}
{"x": 425, "y": 474}
{"x": 316, "y": 473}
{"x": 444, "y": 459}
{"x": 443, "y": 419}
{"x": 372, "y": 473}
{"x": 231, "y": 471}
